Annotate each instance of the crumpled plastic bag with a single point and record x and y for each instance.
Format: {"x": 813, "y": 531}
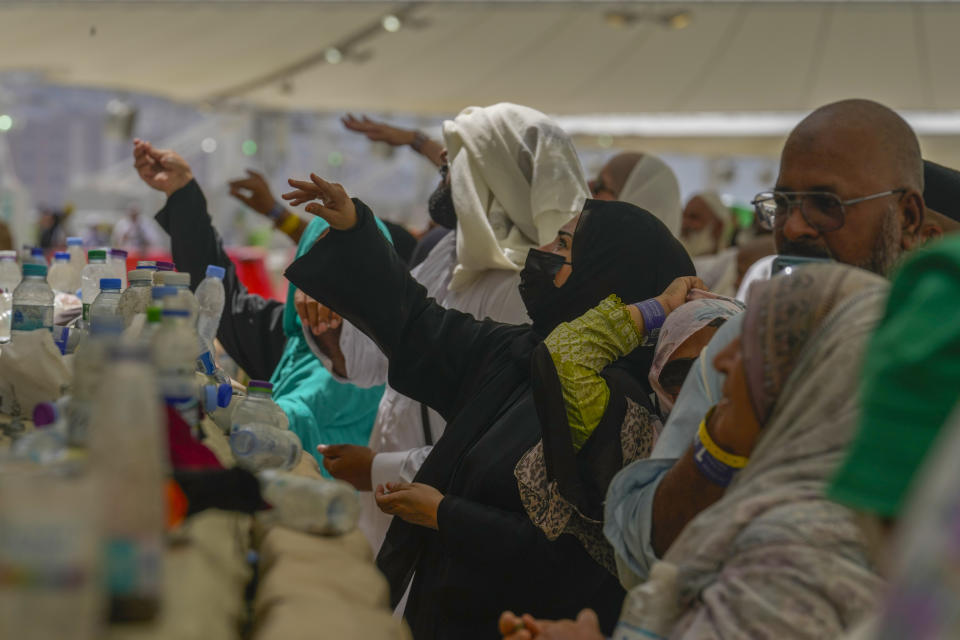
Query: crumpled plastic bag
{"x": 31, "y": 371}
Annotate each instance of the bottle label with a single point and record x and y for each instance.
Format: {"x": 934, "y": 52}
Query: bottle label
{"x": 30, "y": 317}
{"x": 133, "y": 566}
{"x": 86, "y": 312}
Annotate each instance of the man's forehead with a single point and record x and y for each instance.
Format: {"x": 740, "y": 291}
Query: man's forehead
{"x": 835, "y": 164}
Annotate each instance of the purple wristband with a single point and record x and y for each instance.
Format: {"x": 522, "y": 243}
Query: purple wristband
{"x": 277, "y": 211}
{"x": 653, "y": 314}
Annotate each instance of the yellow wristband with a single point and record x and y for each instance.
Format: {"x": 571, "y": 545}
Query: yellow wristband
{"x": 729, "y": 459}
{"x": 290, "y": 224}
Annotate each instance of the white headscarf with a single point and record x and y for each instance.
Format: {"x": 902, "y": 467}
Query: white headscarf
{"x": 516, "y": 179}
{"x": 652, "y": 185}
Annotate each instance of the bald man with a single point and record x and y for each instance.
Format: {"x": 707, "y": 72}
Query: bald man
{"x": 855, "y": 150}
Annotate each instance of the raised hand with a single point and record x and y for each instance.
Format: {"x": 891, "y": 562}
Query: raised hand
{"x": 334, "y": 205}
{"x": 348, "y": 462}
{"x": 254, "y": 192}
{"x": 378, "y": 131}
{"x": 162, "y": 169}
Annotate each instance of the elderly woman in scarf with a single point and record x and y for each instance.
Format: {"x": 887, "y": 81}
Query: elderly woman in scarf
{"x": 772, "y": 556}
{"x": 463, "y": 535}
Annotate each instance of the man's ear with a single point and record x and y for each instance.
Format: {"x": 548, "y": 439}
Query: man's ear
{"x": 911, "y": 220}
{"x": 930, "y": 231}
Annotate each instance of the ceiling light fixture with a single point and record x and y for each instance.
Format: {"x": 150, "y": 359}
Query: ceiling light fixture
{"x": 6, "y": 122}
{"x": 333, "y": 55}
{"x": 678, "y": 20}
{"x": 391, "y": 23}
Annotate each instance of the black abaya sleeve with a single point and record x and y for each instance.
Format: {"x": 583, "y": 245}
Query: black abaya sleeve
{"x": 251, "y": 327}
{"x": 436, "y": 355}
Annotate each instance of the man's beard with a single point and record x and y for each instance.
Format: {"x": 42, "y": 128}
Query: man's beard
{"x": 440, "y": 206}
{"x": 699, "y": 243}
{"x": 883, "y": 257}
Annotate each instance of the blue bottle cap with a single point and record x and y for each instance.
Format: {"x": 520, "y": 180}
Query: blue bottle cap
{"x": 215, "y": 271}
{"x": 110, "y": 283}
{"x": 206, "y": 360}
{"x": 224, "y": 395}
{"x": 36, "y": 252}
{"x": 74, "y": 241}
{"x": 61, "y": 255}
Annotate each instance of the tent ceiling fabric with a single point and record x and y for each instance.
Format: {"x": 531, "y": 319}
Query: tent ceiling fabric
{"x": 561, "y": 58}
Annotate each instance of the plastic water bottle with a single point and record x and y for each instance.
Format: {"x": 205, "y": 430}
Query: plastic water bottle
{"x": 312, "y": 505}
{"x": 37, "y": 256}
{"x": 89, "y": 368}
{"x": 258, "y": 407}
{"x": 175, "y": 357}
{"x": 47, "y": 442}
{"x": 210, "y": 298}
{"x": 129, "y": 457}
{"x": 78, "y": 258}
{"x": 257, "y": 447}
{"x": 9, "y": 279}
{"x": 32, "y": 301}
{"x": 136, "y": 298}
{"x": 217, "y": 391}
{"x": 184, "y": 298}
{"x": 117, "y": 260}
{"x": 107, "y": 303}
{"x": 62, "y": 277}
{"x": 650, "y": 609}
{"x": 96, "y": 269}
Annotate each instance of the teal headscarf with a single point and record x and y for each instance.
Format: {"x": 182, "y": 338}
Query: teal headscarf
{"x": 320, "y": 409}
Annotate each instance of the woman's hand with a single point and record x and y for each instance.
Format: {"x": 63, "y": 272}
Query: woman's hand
{"x": 348, "y": 462}
{"x": 586, "y": 627}
{"x": 315, "y": 316}
{"x": 161, "y": 169}
{"x": 378, "y": 131}
{"x": 334, "y": 205}
{"x": 676, "y": 294}
{"x": 412, "y": 501}
{"x": 254, "y": 192}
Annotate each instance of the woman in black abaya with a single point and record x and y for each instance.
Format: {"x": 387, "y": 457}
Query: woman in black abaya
{"x": 462, "y": 533}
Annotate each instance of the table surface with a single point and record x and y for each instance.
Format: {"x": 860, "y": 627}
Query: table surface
{"x": 309, "y": 586}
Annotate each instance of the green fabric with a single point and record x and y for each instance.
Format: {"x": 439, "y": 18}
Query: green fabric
{"x": 320, "y": 409}
{"x": 580, "y": 350}
{"x": 910, "y": 382}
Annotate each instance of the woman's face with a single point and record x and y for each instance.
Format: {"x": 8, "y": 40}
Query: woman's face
{"x": 734, "y": 425}
{"x": 562, "y": 245}
{"x": 683, "y": 358}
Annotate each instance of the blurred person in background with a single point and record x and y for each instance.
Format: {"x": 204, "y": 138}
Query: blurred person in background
{"x": 52, "y": 226}
{"x": 643, "y": 180}
{"x": 707, "y": 225}
{"x": 133, "y": 231}
{"x": 263, "y": 336}
{"x": 6, "y": 238}
{"x": 513, "y": 180}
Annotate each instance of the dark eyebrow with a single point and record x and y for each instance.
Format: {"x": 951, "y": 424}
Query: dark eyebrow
{"x": 565, "y": 233}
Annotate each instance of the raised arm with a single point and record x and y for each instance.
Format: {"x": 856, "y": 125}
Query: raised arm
{"x": 396, "y": 137}
{"x": 251, "y": 327}
{"x": 435, "y": 353}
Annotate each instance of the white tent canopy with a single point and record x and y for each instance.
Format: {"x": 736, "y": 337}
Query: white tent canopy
{"x": 564, "y": 58}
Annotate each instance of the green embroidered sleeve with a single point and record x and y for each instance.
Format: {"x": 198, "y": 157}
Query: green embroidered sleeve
{"x": 580, "y": 350}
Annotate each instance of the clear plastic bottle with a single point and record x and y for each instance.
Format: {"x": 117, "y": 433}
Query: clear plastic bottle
{"x": 313, "y": 505}
{"x": 210, "y": 298}
{"x": 9, "y": 279}
{"x": 258, "y": 407}
{"x": 136, "y": 298}
{"x": 217, "y": 391}
{"x": 62, "y": 275}
{"x": 185, "y": 298}
{"x": 117, "y": 259}
{"x": 37, "y": 256}
{"x": 78, "y": 258}
{"x": 175, "y": 357}
{"x": 257, "y": 447}
{"x": 46, "y": 444}
{"x": 96, "y": 269}
{"x": 89, "y": 368}
{"x": 129, "y": 457}
{"x": 107, "y": 303}
{"x": 650, "y": 609}
{"x": 32, "y": 301}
